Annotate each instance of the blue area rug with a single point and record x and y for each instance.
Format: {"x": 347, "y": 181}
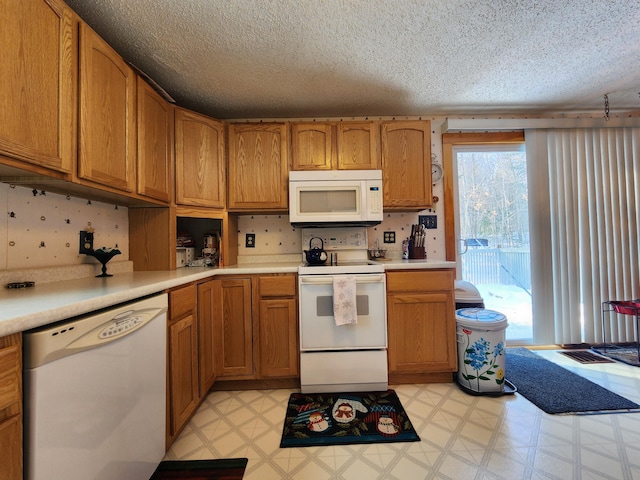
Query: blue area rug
{"x": 628, "y": 355}
{"x": 345, "y": 418}
{"x": 556, "y": 390}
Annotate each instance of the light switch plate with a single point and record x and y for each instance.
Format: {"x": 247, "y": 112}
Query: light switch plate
{"x": 429, "y": 221}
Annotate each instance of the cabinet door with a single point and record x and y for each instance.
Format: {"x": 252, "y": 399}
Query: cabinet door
{"x": 38, "y": 83}
{"x": 155, "y": 143}
{"x": 200, "y": 173}
{"x": 107, "y": 140}
{"x": 11, "y": 407}
{"x": 183, "y": 372}
{"x": 233, "y": 325}
{"x": 358, "y": 145}
{"x": 311, "y": 146}
{"x": 406, "y": 165}
{"x": 208, "y": 294}
{"x": 11, "y": 448}
{"x": 279, "y": 351}
{"x": 421, "y": 332}
{"x": 258, "y": 166}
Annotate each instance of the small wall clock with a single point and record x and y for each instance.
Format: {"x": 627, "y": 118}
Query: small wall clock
{"x": 436, "y": 172}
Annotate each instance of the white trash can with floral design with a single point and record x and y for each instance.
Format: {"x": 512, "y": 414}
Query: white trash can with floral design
{"x": 480, "y": 335}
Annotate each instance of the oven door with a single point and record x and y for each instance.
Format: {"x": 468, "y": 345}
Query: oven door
{"x": 318, "y": 329}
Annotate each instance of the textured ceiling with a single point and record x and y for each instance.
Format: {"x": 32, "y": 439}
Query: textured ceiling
{"x": 332, "y": 58}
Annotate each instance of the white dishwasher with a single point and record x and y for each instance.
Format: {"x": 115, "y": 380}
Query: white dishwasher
{"x": 95, "y": 394}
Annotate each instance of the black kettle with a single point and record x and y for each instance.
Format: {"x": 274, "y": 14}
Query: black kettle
{"x": 316, "y": 255}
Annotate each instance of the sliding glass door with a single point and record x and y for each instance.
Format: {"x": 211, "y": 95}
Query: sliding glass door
{"x": 492, "y": 228}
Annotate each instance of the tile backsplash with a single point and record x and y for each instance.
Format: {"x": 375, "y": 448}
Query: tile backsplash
{"x": 41, "y": 229}
{"x": 276, "y": 240}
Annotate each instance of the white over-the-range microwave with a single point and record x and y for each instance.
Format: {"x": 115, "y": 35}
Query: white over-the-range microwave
{"x": 335, "y": 197}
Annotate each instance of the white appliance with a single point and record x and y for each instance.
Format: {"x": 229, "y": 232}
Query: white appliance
{"x": 335, "y": 197}
{"x": 95, "y": 395}
{"x": 345, "y": 358}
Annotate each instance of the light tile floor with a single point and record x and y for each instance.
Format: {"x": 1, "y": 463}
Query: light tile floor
{"x": 463, "y": 436}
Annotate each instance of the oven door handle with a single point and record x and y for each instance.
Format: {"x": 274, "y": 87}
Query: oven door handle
{"x": 328, "y": 280}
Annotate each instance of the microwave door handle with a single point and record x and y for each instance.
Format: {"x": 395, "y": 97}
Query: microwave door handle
{"x": 329, "y": 281}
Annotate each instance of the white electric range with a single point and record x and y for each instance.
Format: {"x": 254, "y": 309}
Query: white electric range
{"x": 345, "y": 357}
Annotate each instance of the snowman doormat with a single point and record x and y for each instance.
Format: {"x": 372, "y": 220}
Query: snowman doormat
{"x": 345, "y": 418}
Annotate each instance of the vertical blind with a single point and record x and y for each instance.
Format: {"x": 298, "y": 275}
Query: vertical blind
{"x": 594, "y": 190}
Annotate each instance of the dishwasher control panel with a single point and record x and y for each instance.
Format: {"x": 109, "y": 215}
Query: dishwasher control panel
{"x": 118, "y": 327}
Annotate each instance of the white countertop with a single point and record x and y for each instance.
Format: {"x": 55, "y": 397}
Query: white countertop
{"x": 26, "y": 308}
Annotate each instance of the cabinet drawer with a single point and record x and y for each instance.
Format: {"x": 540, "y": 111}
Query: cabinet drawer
{"x": 9, "y": 376}
{"x": 420, "y": 281}
{"x": 182, "y": 301}
{"x": 277, "y": 286}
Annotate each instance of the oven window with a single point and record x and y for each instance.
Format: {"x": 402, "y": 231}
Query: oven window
{"x": 324, "y": 305}
{"x": 328, "y": 201}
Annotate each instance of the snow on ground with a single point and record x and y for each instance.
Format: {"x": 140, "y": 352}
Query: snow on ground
{"x": 514, "y": 303}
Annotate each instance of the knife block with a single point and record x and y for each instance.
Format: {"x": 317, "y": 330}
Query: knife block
{"x": 417, "y": 253}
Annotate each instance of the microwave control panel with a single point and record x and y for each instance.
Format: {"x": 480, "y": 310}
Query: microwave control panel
{"x": 374, "y": 199}
{"x": 342, "y": 238}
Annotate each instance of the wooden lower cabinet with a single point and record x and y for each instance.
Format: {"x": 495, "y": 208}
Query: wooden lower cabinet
{"x": 277, "y": 320}
{"x": 207, "y": 334}
{"x": 421, "y": 326}
{"x": 11, "y": 407}
{"x": 182, "y": 360}
{"x": 234, "y": 327}
{"x": 257, "y": 328}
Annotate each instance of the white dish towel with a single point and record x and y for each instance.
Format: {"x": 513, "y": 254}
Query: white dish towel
{"x": 344, "y": 300}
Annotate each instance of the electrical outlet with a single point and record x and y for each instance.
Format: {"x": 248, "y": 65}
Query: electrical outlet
{"x": 86, "y": 242}
{"x": 250, "y": 240}
{"x": 429, "y": 221}
{"x": 389, "y": 237}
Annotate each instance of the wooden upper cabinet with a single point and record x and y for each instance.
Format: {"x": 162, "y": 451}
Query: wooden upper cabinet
{"x": 406, "y": 164}
{"x": 200, "y": 172}
{"x": 312, "y": 146}
{"x": 107, "y": 140}
{"x": 38, "y": 82}
{"x": 258, "y": 166}
{"x": 358, "y": 145}
{"x": 155, "y": 143}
